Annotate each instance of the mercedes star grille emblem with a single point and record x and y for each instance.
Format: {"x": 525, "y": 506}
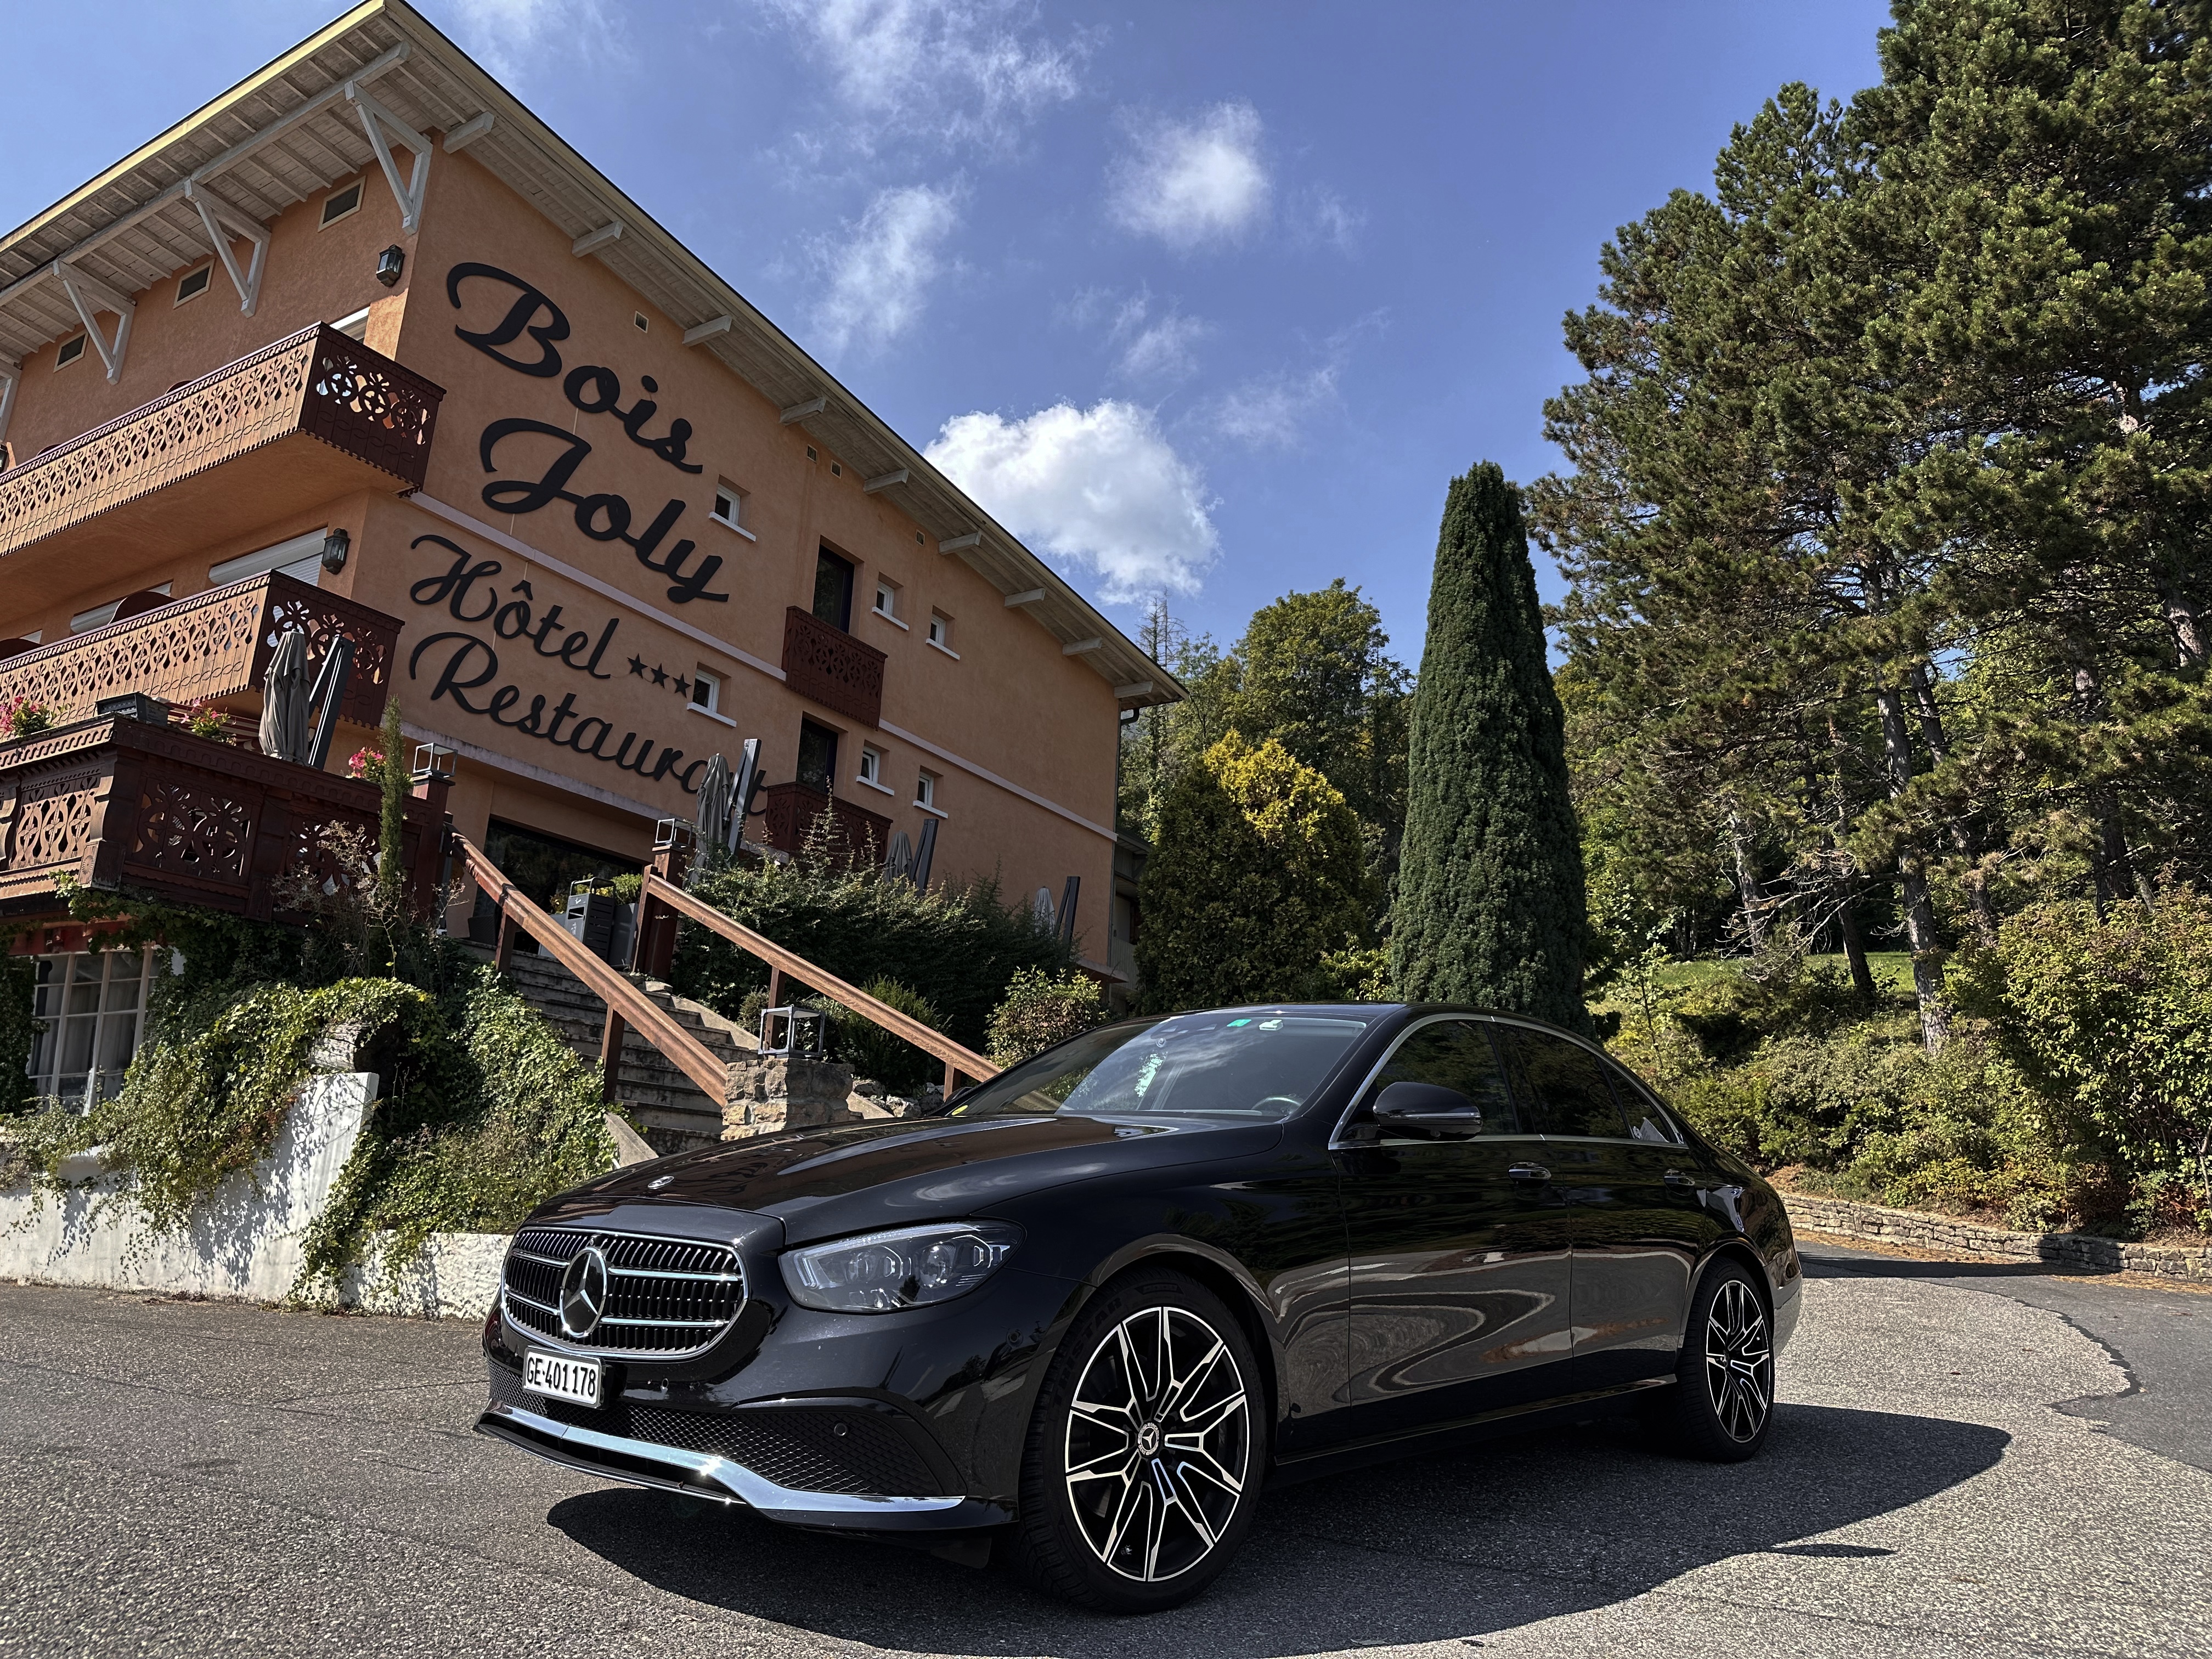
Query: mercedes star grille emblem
{"x": 584, "y": 1293}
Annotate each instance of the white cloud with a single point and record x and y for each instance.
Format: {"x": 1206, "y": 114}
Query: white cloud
{"x": 1102, "y": 486}
{"x": 879, "y": 276}
{"x": 1156, "y": 349}
{"x": 1320, "y": 215}
{"x": 1267, "y": 413}
{"x": 1270, "y": 412}
{"x": 1193, "y": 183}
{"x": 960, "y": 71}
{"x": 503, "y": 34}
{"x": 1162, "y": 351}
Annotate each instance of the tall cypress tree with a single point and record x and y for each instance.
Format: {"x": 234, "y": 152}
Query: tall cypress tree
{"x": 1490, "y": 907}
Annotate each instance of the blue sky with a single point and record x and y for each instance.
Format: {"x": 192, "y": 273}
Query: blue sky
{"x": 1205, "y": 299}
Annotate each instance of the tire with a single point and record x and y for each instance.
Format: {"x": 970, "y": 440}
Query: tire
{"x": 1721, "y": 1405}
{"x": 1142, "y": 1466}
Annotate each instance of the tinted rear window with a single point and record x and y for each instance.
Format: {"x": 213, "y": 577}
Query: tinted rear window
{"x": 1562, "y": 1084}
{"x": 1237, "y": 1067}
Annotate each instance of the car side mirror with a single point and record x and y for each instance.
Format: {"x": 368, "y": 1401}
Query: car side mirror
{"x": 1426, "y": 1106}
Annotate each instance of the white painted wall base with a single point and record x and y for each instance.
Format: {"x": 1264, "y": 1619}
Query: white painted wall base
{"x": 245, "y": 1242}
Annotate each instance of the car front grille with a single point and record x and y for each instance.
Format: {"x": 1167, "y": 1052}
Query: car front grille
{"x": 666, "y": 1297}
{"x": 829, "y": 1448}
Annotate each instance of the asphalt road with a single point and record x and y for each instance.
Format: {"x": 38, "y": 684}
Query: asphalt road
{"x": 207, "y": 1478}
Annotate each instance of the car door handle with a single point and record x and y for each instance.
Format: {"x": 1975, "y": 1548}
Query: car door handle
{"x": 1678, "y": 1178}
{"x": 1530, "y": 1172}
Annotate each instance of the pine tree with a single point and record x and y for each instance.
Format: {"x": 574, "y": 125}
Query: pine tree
{"x": 1490, "y": 907}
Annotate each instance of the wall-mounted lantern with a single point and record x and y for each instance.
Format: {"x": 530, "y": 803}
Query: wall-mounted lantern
{"x": 336, "y": 545}
{"x": 389, "y": 265}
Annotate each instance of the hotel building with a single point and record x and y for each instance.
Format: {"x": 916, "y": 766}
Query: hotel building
{"x": 363, "y": 348}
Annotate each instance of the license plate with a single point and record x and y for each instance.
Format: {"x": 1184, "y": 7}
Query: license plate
{"x": 577, "y": 1381}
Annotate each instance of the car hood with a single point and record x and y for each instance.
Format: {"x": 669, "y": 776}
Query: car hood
{"x": 854, "y": 1176}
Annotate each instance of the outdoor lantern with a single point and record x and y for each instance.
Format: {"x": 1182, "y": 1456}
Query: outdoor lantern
{"x": 389, "y": 265}
{"x": 335, "y": 545}
{"x": 434, "y": 763}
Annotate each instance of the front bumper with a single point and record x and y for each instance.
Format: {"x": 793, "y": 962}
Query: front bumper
{"x": 900, "y": 1423}
{"x": 718, "y": 1479}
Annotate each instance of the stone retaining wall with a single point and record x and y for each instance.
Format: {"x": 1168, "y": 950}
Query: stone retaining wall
{"x": 1941, "y": 1232}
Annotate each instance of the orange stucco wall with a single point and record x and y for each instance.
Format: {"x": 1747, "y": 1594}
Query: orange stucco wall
{"x": 1009, "y": 705}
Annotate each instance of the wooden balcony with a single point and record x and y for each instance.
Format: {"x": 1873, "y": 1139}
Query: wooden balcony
{"x": 313, "y": 417}
{"x": 832, "y": 668}
{"x": 789, "y": 811}
{"x": 130, "y": 806}
{"x": 216, "y": 644}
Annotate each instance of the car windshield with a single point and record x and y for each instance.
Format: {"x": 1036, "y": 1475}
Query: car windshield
{"x": 1254, "y": 1067}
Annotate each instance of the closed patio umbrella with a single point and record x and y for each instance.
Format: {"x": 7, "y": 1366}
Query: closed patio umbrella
{"x": 713, "y": 799}
{"x": 284, "y": 700}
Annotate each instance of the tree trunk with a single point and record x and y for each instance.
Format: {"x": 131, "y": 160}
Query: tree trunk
{"x": 1839, "y": 872}
{"x": 1963, "y": 838}
{"x": 1847, "y": 925}
{"x": 2181, "y": 615}
{"x": 1746, "y": 881}
{"x": 1913, "y": 881}
{"x": 2114, "y": 871}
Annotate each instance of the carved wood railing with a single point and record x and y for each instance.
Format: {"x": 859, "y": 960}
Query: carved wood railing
{"x": 789, "y": 811}
{"x": 958, "y": 1062}
{"x": 318, "y": 381}
{"x": 128, "y": 805}
{"x": 830, "y": 665}
{"x": 216, "y": 644}
{"x": 626, "y": 1004}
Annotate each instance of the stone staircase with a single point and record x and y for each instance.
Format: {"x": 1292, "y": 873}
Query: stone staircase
{"x": 673, "y": 1113}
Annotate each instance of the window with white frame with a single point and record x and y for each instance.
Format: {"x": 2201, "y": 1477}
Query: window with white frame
{"x": 193, "y": 283}
{"x": 71, "y": 350}
{"x": 925, "y": 790}
{"x": 729, "y": 504}
{"x": 940, "y": 630}
{"x": 887, "y": 598}
{"x": 707, "y": 690}
{"x": 871, "y": 765}
{"x": 94, "y": 1005}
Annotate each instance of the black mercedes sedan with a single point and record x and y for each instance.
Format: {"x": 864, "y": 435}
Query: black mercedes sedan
{"x": 1088, "y": 1310}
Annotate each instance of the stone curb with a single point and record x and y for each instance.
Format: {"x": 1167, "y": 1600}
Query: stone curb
{"x": 1852, "y": 1219}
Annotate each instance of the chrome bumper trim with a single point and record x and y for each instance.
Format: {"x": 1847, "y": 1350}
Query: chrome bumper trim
{"x": 756, "y": 1492}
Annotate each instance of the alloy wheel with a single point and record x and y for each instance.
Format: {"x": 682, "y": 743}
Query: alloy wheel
{"x": 1158, "y": 1444}
{"x": 1739, "y": 1360}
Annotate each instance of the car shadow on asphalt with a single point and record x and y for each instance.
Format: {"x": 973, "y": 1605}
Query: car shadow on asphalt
{"x": 1439, "y": 1548}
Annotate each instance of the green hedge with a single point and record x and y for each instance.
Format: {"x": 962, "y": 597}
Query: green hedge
{"x": 955, "y": 948}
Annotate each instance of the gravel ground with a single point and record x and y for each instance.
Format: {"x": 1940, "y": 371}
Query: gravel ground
{"x": 209, "y": 1479}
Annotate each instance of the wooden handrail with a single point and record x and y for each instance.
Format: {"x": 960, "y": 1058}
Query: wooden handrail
{"x": 647, "y": 1018}
{"x": 935, "y": 1043}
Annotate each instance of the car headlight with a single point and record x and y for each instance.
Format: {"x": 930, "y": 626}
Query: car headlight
{"x": 908, "y": 1268}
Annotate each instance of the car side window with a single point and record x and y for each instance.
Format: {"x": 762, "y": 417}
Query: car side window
{"x": 1455, "y": 1054}
{"x": 1562, "y": 1084}
{"x": 1645, "y": 1121}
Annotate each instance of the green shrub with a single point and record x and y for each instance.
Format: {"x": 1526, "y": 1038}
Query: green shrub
{"x": 1040, "y": 1011}
{"x": 873, "y": 1052}
{"x": 194, "y": 1111}
{"x": 2109, "y": 1019}
{"x": 486, "y": 1115}
{"x": 957, "y": 948}
{"x": 1257, "y": 875}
